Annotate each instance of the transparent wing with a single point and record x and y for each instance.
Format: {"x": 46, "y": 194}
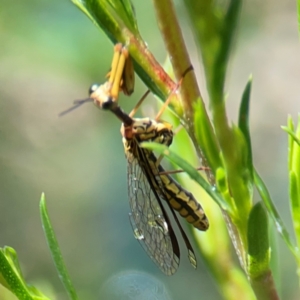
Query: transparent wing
{"x": 149, "y": 220}
{"x": 170, "y": 197}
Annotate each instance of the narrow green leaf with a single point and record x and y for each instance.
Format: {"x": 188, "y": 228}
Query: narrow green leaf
{"x": 130, "y": 13}
{"x": 222, "y": 185}
{"x": 214, "y": 23}
{"x": 55, "y": 251}
{"x": 295, "y": 203}
{"x": 226, "y": 33}
{"x": 294, "y": 178}
{"x": 244, "y": 123}
{"x": 258, "y": 242}
{"x": 110, "y": 15}
{"x": 291, "y": 139}
{"x": 295, "y": 155}
{"x": 272, "y": 211}
{"x": 292, "y": 134}
{"x": 259, "y": 254}
{"x": 239, "y": 176}
{"x": 190, "y": 170}
{"x": 12, "y": 278}
{"x": 206, "y": 138}
{"x": 294, "y": 165}
{"x": 275, "y": 256}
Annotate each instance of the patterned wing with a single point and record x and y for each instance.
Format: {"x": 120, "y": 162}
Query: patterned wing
{"x": 168, "y": 193}
{"x": 149, "y": 220}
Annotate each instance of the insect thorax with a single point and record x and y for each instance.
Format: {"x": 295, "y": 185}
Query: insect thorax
{"x": 101, "y": 95}
{"x": 147, "y": 130}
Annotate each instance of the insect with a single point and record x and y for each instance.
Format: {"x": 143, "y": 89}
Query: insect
{"x": 148, "y": 184}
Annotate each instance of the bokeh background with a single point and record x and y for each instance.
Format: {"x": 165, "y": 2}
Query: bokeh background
{"x": 50, "y": 53}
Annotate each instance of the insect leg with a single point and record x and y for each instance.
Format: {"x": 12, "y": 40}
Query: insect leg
{"x": 167, "y": 102}
{"x": 134, "y": 110}
{"x": 115, "y": 62}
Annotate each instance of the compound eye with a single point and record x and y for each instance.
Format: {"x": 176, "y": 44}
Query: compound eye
{"x": 93, "y": 88}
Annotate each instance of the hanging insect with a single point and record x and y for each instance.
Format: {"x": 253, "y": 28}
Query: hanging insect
{"x": 148, "y": 182}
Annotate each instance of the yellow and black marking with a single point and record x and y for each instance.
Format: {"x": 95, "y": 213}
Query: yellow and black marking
{"x": 163, "y": 187}
{"x": 180, "y": 199}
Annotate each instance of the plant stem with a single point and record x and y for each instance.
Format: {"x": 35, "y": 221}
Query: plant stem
{"x": 190, "y": 93}
{"x": 264, "y": 287}
{"x": 178, "y": 54}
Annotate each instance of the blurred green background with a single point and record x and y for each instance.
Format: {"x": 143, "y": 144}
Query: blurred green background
{"x": 50, "y": 54}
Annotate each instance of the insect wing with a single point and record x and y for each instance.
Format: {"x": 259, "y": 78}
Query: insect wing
{"x": 165, "y": 194}
{"x": 150, "y": 223}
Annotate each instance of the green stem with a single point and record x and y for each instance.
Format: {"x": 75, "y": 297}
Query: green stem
{"x": 190, "y": 93}
{"x": 172, "y": 36}
{"x": 191, "y": 98}
{"x": 280, "y": 226}
{"x": 264, "y": 287}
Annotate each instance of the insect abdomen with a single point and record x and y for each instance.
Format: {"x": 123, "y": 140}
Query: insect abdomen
{"x": 185, "y": 203}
